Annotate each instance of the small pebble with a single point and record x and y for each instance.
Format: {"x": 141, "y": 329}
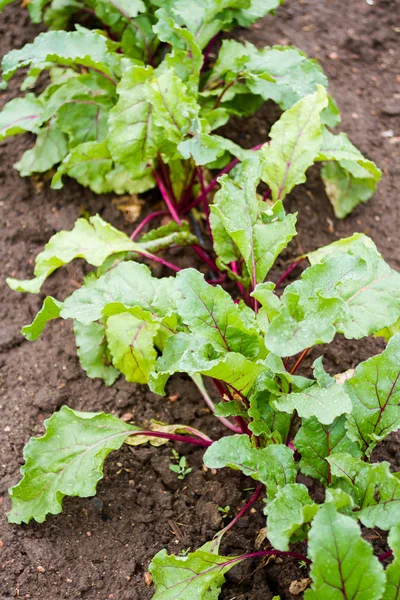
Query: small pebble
{"x": 41, "y": 569}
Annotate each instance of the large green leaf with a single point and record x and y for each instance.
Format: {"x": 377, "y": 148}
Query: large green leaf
{"x": 375, "y": 490}
{"x": 66, "y": 461}
{"x": 392, "y": 589}
{"x": 343, "y": 564}
{"x": 93, "y": 352}
{"x": 316, "y": 442}
{"x": 197, "y": 576}
{"x": 50, "y": 148}
{"x": 349, "y": 289}
{"x": 81, "y": 48}
{"x": 20, "y": 114}
{"x": 50, "y": 310}
{"x": 258, "y": 231}
{"x": 274, "y": 465}
{"x": 94, "y": 240}
{"x": 288, "y": 515}
{"x": 131, "y": 345}
{"x": 295, "y": 143}
{"x": 374, "y": 390}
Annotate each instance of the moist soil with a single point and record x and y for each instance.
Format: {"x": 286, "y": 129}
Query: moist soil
{"x": 99, "y": 548}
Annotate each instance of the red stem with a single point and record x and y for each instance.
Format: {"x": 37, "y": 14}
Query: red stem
{"x": 214, "y": 182}
{"x": 159, "y": 260}
{"x": 288, "y": 271}
{"x": 150, "y": 217}
{"x": 299, "y": 361}
{"x": 207, "y": 51}
{"x": 167, "y": 199}
{"x": 385, "y": 555}
{"x": 222, "y": 94}
{"x": 205, "y": 258}
{"x": 175, "y": 437}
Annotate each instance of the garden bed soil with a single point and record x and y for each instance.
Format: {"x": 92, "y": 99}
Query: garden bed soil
{"x": 100, "y": 548}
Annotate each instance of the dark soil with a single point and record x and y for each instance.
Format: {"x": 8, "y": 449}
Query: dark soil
{"x": 100, "y": 548}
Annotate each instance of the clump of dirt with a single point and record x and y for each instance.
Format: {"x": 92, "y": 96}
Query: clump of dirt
{"x": 100, "y": 548}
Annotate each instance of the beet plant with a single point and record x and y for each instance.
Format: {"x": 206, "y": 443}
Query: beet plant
{"x": 248, "y": 343}
{"x": 136, "y": 102}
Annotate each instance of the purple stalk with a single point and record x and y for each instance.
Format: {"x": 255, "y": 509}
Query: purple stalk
{"x": 205, "y": 258}
{"x": 167, "y": 199}
{"x": 240, "y": 514}
{"x": 150, "y": 217}
{"x": 385, "y": 555}
{"x": 207, "y": 51}
{"x": 159, "y": 260}
{"x": 175, "y": 437}
{"x": 267, "y": 194}
{"x": 288, "y": 271}
{"x": 214, "y": 182}
{"x": 198, "y": 381}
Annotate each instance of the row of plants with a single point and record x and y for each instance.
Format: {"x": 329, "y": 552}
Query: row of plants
{"x": 133, "y": 105}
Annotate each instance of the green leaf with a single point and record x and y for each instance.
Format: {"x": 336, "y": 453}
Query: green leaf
{"x": 375, "y": 490}
{"x": 274, "y": 465}
{"x": 82, "y": 47}
{"x": 50, "y": 148}
{"x": 388, "y": 332}
{"x": 288, "y": 514}
{"x": 20, "y": 114}
{"x": 258, "y": 231}
{"x": 374, "y": 390}
{"x": 267, "y": 422}
{"x": 66, "y": 461}
{"x": 343, "y": 564}
{"x": 326, "y": 404}
{"x": 316, "y": 442}
{"x": 134, "y": 138}
{"x": 127, "y": 287}
{"x": 187, "y": 353}
{"x": 94, "y": 240}
{"x": 93, "y": 352}
{"x": 131, "y": 345}
{"x": 295, "y": 143}
{"x": 197, "y": 576}
{"x": 392, "y": 589}
{"x": 351, "y": 290}
{"x": 211, "y": 313}
{"x": 137, "y": 440}
{"x": 91, "y": 165}
{"x": 85, "y": 120}
{"x": 50, "y": 310}
{"x": 352, "y": 179}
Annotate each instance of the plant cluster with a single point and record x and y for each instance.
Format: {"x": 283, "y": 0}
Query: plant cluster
{"x": 135, "y": 103}
{"x": 146, "y": 100}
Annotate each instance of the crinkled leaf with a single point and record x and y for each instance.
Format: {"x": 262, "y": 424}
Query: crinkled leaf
{"x": 128, "y": 286}
{"x": 316, "y": 442}
{"x": 274, "y": 465}
{"x": 288, "y": 514}
{"x": 267, "y": 422}
{"x": 93, "y": 351}
{"x": 85, "y": 121}
{"x": 66, "y": 461}
{"x": 131, "y": 345}
{"x": 197, "y": 576}
{"x": 210, "y": 312}
{"x": 375, "y": 490}
{"x": 350, "y": 289}
{"x": 166, "y": 236}
{"x": 323, "y": 403}
{"x": 258, "y": 231}
{"x": 20, "y": 114}
{"x": 295, "y": 143}
{"x": 82, "y": 47}
{"x": 374, "y": 390}
{"x": 343, "y": 564}
{"x": 392, "y": 589}
{"x": 94, "y": 240}
{"x": 139, "y": 439}
{"x": 50, "y": 148}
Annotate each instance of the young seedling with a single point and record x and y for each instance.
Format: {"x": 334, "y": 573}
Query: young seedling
{"x": 224, "y": 510}
{"x": 181, "y": 467}
{"x": 135, "y": 103}
{"x": 249, "y": 344}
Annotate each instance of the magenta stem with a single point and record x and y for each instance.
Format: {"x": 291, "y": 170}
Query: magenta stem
{"x": 205, "y": 258}
{"x": 198, "y": 381}
{"x": 150, "y": 217}
{"x": 159, "y": 260}
{"x": 175, "y": 437}
{"x": 277, "y": 553}
{"x": 214, "y": 182}
{"x": 385, "y": 555}
{"x": 288, "y": 271}
{"x": 208, "y": 49}
{"x": 267, "y": 194}
{"x": 167, "y": 199}
{"x": 240, "y": 514}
